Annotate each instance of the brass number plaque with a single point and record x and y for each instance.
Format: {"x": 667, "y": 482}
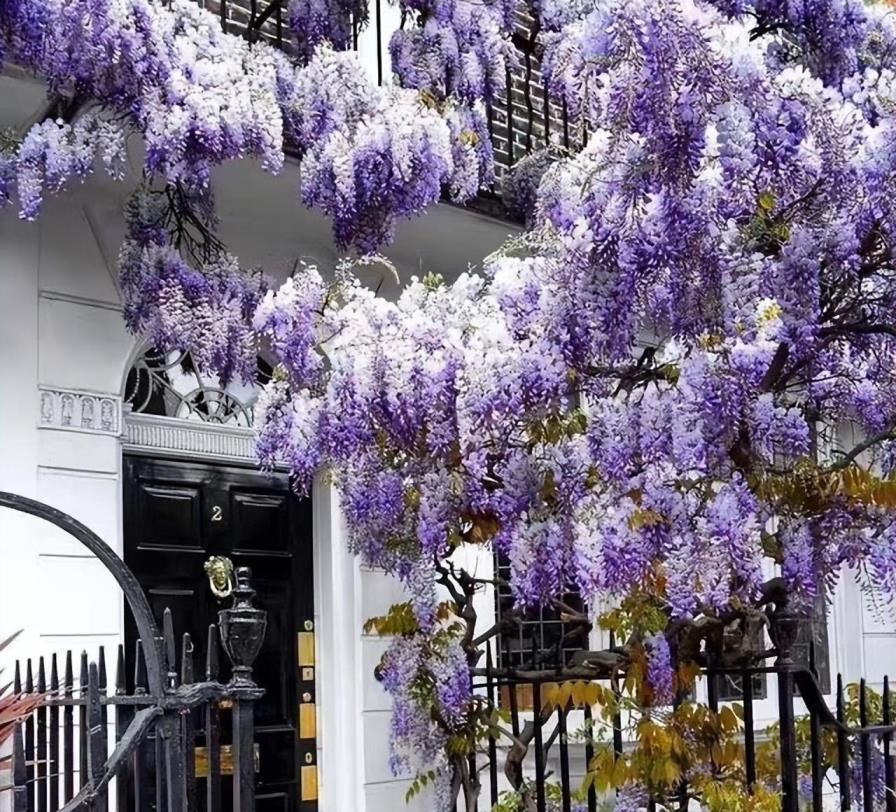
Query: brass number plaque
{"x": 306, "y": 649}
{"x": 307, "y": 720}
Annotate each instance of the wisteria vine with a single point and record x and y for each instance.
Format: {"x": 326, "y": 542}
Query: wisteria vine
{"x": 641, "y": 398}
{"x": 649, "y": 386}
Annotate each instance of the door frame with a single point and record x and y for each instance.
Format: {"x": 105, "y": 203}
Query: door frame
{"x": 337, "y": 590}
{"x": 281, "y": 558}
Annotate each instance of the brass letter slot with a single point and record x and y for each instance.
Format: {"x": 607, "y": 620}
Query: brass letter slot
{"x": 201, "y": 760}
{"x": 309, "y": 783}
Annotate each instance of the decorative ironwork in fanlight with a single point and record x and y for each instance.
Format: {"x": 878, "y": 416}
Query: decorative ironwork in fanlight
{"x": 171, "y": 385}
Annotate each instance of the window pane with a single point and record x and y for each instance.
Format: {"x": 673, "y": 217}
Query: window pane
{"x": 730, "y": 687}
{"x": 540, "y": 638}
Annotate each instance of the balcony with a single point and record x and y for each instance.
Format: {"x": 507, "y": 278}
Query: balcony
{"x": 259, "y": 214}
{"x": 525, "y": 120}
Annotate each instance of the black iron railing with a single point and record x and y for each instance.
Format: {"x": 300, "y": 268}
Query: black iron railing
{"x": 160, "y": 718}
{"x": 816, "y": 752}
{"x": 168, "y": 752}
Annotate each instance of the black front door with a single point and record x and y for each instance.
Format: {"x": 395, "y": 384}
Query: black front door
{"x": 176, "y": 515}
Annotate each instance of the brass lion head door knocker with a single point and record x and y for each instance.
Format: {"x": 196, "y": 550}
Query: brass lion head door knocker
{"x": 219, "y": 570}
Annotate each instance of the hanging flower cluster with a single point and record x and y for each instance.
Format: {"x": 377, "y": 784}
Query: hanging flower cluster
{"x": 182, "y": 290}
{"x": 660, "y": 670}
{"x": 54, "y": 152}
{"x": 471, "y": 152}
{"x": 372, "y": 157}
{"x": 200, "y": 97}
{"x": 519, "y": 186}
{"x": 315, "y": 22}
{"x": 386, "y": 158}
{"x": 458, "y": 48}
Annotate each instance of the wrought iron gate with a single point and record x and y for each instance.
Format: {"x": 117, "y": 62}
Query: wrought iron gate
{"x": 61, "y": 761}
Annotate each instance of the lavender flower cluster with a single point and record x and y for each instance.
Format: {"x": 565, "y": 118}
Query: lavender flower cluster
{"x": 458, "y": 48}
{"x": 200, "y": 97}
{"x": 203, "y": 306}
{"x": 387, "y": 159}
{"x": 315, "y": 22}
{"x": 660, "y": 670}
{"x": 54, "y": 152}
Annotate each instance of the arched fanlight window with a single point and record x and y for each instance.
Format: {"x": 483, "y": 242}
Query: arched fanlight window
{"x": 171, "y": 385}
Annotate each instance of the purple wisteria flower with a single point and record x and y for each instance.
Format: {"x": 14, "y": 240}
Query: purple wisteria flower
{"x": 660, "y": 671}
{"x": 200, "y": 97}
{"x": 206, "y": 310}
{"x": 314, "y": 22}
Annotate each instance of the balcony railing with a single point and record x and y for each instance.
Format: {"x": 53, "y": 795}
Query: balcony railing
{"x": 526, "y": 119}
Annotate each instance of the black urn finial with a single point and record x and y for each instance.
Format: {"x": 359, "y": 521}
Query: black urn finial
{"x": 242, "y": 630}
{"x": 786, "y": 622}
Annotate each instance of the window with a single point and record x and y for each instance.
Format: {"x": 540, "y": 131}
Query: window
{"x": 541, "y": 638}
{"x": 730, "y": 687}
{"x": 171, "y": 385}
{"x": 811, "y": 649}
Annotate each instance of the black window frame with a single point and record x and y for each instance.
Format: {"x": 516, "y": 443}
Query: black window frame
{"x": 529, "y": 642}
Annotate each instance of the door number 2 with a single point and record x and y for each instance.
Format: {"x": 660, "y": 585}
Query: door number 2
{"x": 217, "y": 514}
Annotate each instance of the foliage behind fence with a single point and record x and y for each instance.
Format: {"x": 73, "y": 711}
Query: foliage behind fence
{"x": 581, "y": 743}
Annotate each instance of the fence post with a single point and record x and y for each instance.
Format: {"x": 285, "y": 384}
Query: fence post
{"x": 19, "y": 776}
{"x": 785, "y": 623}
{"x": 97, "y": 740}
{"x": 242, "y": 629}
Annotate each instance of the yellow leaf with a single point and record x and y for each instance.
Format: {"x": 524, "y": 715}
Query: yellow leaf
{"x": 728, "y": 720}
{"x": 593, "y": 693}
{"x": 584, "y": 693}
{"x": 564, "y": 694}
{"x": 671, "y": 773}
{"x": 732, "y": 752}
{"x": 620, "y": 773}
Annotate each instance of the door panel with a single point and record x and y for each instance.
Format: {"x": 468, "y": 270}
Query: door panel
{"x": 260, "y": 522}
{"x": 172, "y": 515}
{"x": 176, "y": 515}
